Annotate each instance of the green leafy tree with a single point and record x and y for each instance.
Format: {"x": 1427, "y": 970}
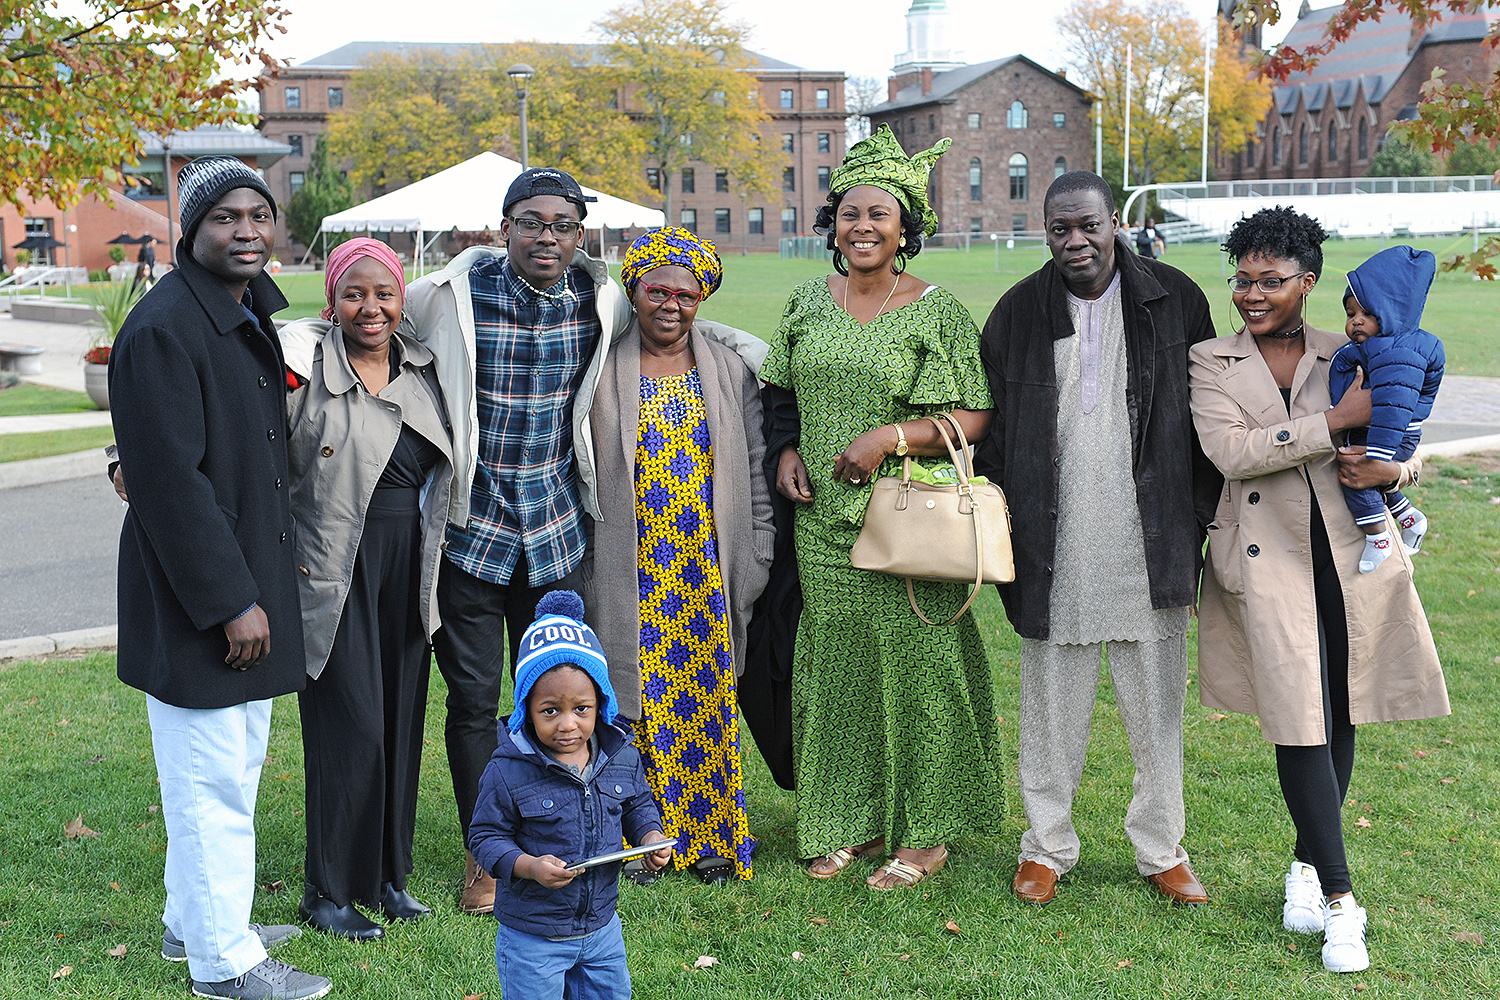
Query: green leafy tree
{"x": 690, "y": 90}
{"x": 1398, "y": 158}
{"x": 1472, "y": 159}
{"x": 325, "y": 192}
{"x": 75, "y": 88}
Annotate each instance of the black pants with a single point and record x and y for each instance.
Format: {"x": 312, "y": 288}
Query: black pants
{"x": 477, "y": 615}
{"x": 1315, "y": 779}
{"x": 362, "y": 717}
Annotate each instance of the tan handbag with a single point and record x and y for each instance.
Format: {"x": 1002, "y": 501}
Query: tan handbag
{"x": 957, "y": 534}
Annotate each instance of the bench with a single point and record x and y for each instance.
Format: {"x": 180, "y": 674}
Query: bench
{"x": 23, "y": 359}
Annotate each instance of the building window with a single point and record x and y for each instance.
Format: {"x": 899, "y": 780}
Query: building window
{"x": 756, "y": 221}
{"x": 911, "y": 126}
{"x": 1059, "y": 120}
{"x": 825, "y": 144}
{"x": 335, "y": 97}
{"x": 721, "y": 220}
{"x": 786, "y": 98}
{"x": 1364, "y": 139}
{"x": 974, "y": 121}
{"x": 1018, "y": 224}
{"x": 612, "y": 102}
{"x": 932, "y": 123}
{"x": 1302, "y": 144}
{"x": 721, "y": 181}
{"x": 1276, "y": 146}
{"x": 294, "y": 97}
{"x": 718, "y": 98}
{"x": 976, "y": 180}
{"x": 297, "y": 178}
{"x": 822, "y": 98}
{"x": 1250, "y": 151}
{"x": 976, "y": 224}
{"x": 788, "y": 142}
{"x": 823, "y": 178}
{"x": 295, "y": 141}
{"x": 690, "y": 219}
{"x": 1018, "y": 189}
{"x": 653, "y": 178}
{"x": 689, "y": 184}
{"x": 789, "y": 179}
{"x": 789, "y": 222}
{"x": 1016, "y": 116}
{"x": 1059, "y": 166}
{"x": 1333, "y": 144}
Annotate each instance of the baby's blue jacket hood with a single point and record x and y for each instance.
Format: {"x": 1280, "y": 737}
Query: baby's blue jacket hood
{"x": 1393, "y": 285}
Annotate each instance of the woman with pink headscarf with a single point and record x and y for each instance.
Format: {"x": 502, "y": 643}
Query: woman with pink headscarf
{"x": 371, "y": 463}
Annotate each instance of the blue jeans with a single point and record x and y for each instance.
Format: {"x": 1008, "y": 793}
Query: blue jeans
{"x": 588, "y": 968}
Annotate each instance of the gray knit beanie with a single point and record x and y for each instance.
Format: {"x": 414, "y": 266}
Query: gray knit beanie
{"x": 202, "y": 182}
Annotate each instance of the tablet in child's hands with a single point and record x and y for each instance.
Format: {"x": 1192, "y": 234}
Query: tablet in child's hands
{"x": 625, "y": 855}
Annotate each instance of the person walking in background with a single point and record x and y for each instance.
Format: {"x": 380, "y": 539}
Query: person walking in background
{"x": 210, "y": 621}
{"x": 894, "y": 728}
{"x": 683, "y": 548}
{"x": 1109, "y": 494}
{"x": 1288, "y": 629}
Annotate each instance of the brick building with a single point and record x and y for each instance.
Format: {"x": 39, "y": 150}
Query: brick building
{"x": 1331, "y": 121}
{"x": 807, "y": 119}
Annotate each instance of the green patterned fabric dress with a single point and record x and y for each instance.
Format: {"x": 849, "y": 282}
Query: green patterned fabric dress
{"x": 894, "y": 725}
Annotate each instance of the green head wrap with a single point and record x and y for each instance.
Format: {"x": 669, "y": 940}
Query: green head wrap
{"x": 881, "y": 162}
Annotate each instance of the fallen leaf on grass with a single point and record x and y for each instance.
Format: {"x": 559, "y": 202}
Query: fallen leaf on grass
{"x": 115, "y": 886}
{"x": 952, "y": 928}
{"x": 905, "y": 956}
{"x": 1362, "y": 821}
{"x": 796, "y": 956}
{"x": 118, "y": 951}
{"x": 1291, "y": 947}
{"x": 1421, "y": 753}
{"x": 476, "y": 996}
{"x": 1446, "y": 743}
{"x": 820, "y": 921}
{"x": 1123, "y": 963}
{"x": 1360, "y": 987}
{"x": 66, "y": 970}
{"x": 766, "y": 915}
{"x": 153, "y": 810}
{"x": 1469, "y": 937}
{"x": 277, "y": 886}
{"x": 705, "y": 962}
{"x": 1215, "y": 717}
{"x": 1447, "y": 781}
{"x": 74, "y": 828}
{"x": 96, "y": 758}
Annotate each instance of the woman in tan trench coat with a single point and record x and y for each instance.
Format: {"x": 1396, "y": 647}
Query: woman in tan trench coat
{"x": 1288, "y": 630}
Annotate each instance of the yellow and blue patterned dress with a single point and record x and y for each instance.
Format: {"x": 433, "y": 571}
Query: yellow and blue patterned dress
{"x": 688, "y": 734}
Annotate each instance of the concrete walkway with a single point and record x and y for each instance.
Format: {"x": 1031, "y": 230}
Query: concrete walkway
{"x": 62, "y": 361}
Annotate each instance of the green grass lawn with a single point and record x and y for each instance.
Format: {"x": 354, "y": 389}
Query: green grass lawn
{"x": 40, "y": 444}
{"x": 24, "y": 399}
{"x": 73, "y": 740}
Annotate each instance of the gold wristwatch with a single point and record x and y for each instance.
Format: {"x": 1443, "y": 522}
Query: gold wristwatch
{"x": 901, "y": 445}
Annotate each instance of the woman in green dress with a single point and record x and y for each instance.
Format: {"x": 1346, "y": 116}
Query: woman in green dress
{"x": 895, "y": 737}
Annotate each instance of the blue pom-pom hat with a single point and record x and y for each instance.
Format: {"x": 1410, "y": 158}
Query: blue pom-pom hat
{"x": 558, "y": 636}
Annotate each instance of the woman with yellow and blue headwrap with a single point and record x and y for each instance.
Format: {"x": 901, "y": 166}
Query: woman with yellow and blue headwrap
{"x": 683, "y": 544}
{"x": 895, "y": 743}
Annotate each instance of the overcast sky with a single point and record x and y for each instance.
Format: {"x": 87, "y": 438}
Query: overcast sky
{"x": 860, "y": 37}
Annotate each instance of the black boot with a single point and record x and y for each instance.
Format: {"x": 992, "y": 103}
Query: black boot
{"x": 398, "y": 904}
{"x": 343, "y": 921}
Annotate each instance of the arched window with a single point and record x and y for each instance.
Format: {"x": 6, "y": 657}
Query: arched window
{"x": 1018, "y": 178}
{"x": 1364, "y": 139}
{"x": 1016, "y": 116}
{"x": 1333, "y": 144}
{"x": 1059, "y": 166}
{"x": 1276, "y": 146}
{"x": 1302, "y": 144}
{"x": 976, "y": 180}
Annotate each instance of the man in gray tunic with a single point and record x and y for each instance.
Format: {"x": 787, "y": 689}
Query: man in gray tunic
{"x": 1109, "y": 494}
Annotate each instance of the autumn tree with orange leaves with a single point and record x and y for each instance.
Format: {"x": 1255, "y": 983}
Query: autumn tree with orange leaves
{"x": 1449, "y": 115}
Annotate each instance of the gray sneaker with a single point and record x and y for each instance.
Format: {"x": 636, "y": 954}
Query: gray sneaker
{"x": 270, "y": 980}
{"x": 270, "y": 936}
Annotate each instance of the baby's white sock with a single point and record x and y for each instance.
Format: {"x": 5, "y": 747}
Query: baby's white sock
{"x": 1413, "y": 525}
{"x": 1377, "y": 550}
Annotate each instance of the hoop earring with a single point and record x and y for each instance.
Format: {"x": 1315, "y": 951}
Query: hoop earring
{"x": 839, "y": 264}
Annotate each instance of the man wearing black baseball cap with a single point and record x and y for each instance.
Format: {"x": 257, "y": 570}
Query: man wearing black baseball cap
{"x": 520, "y": 334}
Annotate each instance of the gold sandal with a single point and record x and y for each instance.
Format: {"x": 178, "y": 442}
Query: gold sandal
{"x": 844, "y": 857}
{"x": 908, "y": 873}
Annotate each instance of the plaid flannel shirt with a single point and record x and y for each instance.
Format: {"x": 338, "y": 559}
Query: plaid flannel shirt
{"x": 531, "y": 349}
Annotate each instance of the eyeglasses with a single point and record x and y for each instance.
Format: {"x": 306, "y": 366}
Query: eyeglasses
{"x": 1268, "y": 284}
{"x": 659, "y": 294}
{"x": 532, "y": 228}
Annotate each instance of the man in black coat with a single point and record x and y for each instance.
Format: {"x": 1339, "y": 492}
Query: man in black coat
{"x": 210, "y": 626}
{"x": 1109, "y": 493}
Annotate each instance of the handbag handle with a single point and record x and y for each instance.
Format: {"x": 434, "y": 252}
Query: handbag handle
{"x": 965, "y": 491}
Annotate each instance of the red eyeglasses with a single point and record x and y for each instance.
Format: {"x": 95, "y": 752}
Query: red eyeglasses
{"x": 659, "y": 294}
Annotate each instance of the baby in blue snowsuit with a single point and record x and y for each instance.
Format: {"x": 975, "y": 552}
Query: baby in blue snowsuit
{"x": 1403, "y": 366}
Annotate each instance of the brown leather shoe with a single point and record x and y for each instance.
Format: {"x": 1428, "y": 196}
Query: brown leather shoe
{"x": 479, "y": 888}
{"x": 1034, "y": 883}
{"x": 1180, "y": 885}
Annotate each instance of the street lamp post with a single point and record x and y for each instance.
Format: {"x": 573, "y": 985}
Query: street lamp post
{"x": 520, "y": 75}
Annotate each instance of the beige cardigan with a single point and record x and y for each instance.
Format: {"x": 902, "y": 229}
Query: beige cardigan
{"x": 1257, "y": 623}
{"x": 742, "y": 503}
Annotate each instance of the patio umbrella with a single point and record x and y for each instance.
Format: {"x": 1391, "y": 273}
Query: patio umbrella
{"x": 126, "y": 238}
{"x": 37, "y": 243}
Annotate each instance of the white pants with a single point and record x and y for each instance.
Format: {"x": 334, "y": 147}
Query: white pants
{"x": 208, "y": 762}
{"x": 1057, "y": 705}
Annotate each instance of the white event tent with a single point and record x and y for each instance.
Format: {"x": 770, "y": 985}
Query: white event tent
{"x": 468, "y": 197}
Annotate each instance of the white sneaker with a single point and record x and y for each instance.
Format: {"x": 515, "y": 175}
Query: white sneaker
{"x": 1344, "y": 936}
{"x": 1303, "y": 910}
